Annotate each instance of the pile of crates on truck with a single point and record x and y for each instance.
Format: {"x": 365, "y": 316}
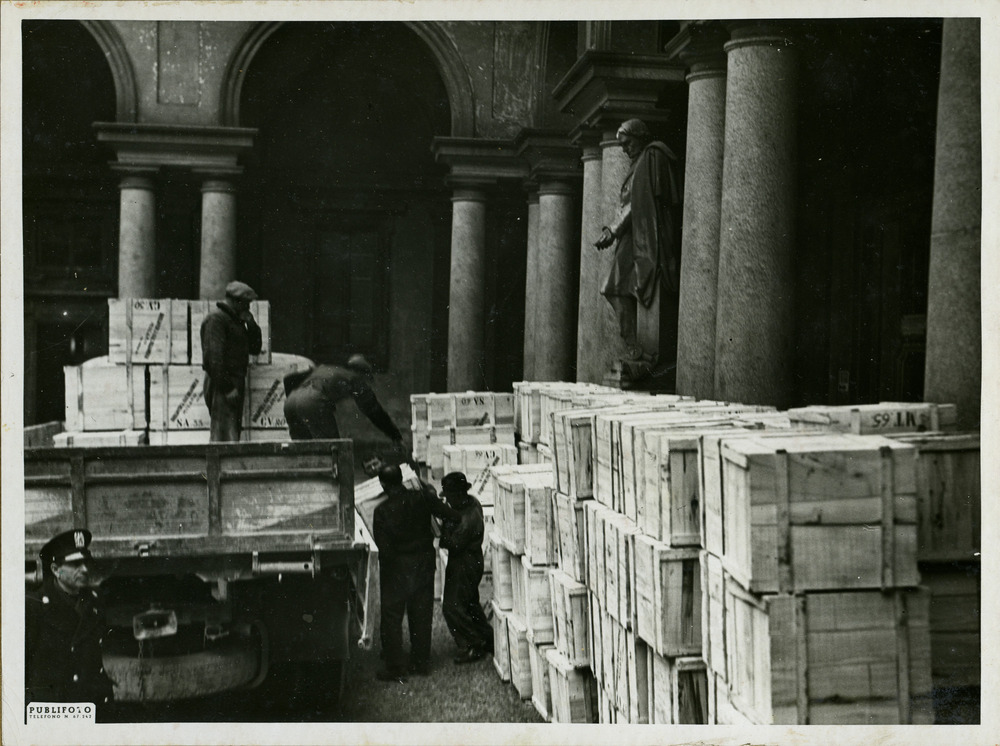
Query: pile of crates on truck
{"x": 149, "y": 388}
{"x": 709, "y": 562}
{"x": 473, "y": 418}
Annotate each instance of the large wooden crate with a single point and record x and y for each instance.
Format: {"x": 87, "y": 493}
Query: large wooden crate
{"x": 266, "y": 390}
{"x": 569, "y": 526}
{"x": 515, "y": 491}
{"x": 857, "y": 657}
{"x": 878, "y": 419}
{"x": 955, "y": 623}
{"x": 149, "y": 331}
{"x": 668, "y": 597}
{"x": 948, "y": 495}
{"x": 541, "y": 690}
{"x": 177, "y": 398}
{"x": 501, "y": 647}
{"x": 541, "y": 540}
{"x": 532, "y": 598}
{"x": 103, "y": 396}
{"x": 503, "y": 582}
{"x": 475, "y": 461}
{"x": 570, "y": 617}
{"x": 813, "y": 512}
{"x": 520, "y": 662}
{"x": 678, "y": 691}
{"x": 573, "y": 690}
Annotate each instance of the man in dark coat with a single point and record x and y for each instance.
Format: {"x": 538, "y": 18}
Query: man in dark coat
{"x": 401, "y": 527}
{"x": 311, "y": 400}
{"x": 64, "y": 629}
{"x": 464, "y": 541}
{"x": 229, "y": 336}
{"x": 647, "y": 254}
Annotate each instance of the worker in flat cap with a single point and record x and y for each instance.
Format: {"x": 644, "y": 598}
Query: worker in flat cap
{"x": 311, "y": 399}
{"x": 64, "y": 628}
{"x": 463, "y": 538}
{"x": 645, "y": 229}
{"x": 401, "y": 527}
{"x": 229, "y": 336}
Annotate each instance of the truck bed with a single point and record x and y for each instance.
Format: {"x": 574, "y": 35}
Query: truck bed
{"x": 188, "y": 501}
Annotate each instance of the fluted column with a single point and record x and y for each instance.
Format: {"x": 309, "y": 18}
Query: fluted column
{"x": 466, "y": 313}
{"x": 555, "y": 317}
{"x": 218, "y": 237}
{"x": 754, "y": 320}
{"x": 953, "y": 371}
{"x": 532, "y": 286}
{"x": 702, "y": 204}
{"x": 590, "y": 363}
{"x": 137, "y": 237}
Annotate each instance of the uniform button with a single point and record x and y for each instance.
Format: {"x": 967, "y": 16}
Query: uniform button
{"x": 45, "y": 599}
{"x": 76, "y": 677}
{"x": 72, "y": 648}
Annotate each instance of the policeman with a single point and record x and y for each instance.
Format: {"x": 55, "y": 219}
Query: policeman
{"x": 311, "y": 400}
{"x": 401, "y": 527}
{"x": 64, "y": 628}
{"x": 464, "y": 541}
{"x": 229, "y": 336}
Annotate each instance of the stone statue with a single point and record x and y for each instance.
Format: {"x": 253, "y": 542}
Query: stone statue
{"x": 647, "y": 252}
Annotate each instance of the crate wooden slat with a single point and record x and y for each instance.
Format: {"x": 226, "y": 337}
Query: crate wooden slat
{"x": 955, "y": 623}
{"x": 99, "y": 438}
{"x": 572, "y": 690}
{"x": 880, "y": 418}
{"x": 799, "y": 510}
{"x": 619, "y": 582}
{"x": 103, "y": 396}
{"x": 520, "y": 663}
{"x": 570, "y": 617}
{"x": 541, "y": 691}
{"x": 594, "y": 519}
{"x": 948, "y": 495}
{"x": 594, "y": 636}
{"x": 501, "y": 647}
{"x": 533, "y": 598}
{"x": 569, "y": 525}
{"x": 668, "y": 597}
{"x": 540, "y": 535}
{"x": 503, "y": 583}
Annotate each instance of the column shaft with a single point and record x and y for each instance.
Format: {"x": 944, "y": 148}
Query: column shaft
{"x": 137, "y": 238}
{"x": 953, "y": 368}
{"x": 555, "y": 310}
{"x": 754, "y": 319}
{"x": 700, "y": 239}
{"x": 218, "y": 238}
{"x": 532, "y": 289}
{"x": 466, "y": 315}
{"x": 590, "y": 361}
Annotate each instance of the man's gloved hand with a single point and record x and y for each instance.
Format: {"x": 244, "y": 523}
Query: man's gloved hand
{"x": 607, "y": 238}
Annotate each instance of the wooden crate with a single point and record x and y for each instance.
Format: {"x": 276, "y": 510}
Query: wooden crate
{"x": 594, "y": 519}
{"x": 948, "y": 495}
{"x": 475, "y": 461}
{"x": 878, "y": 419}
{"x": 100, "y": 438}
{"x": 619, "y": 601}
{"x": 573, "y": 690}
{"x": 679, "y": 691}
{"x": 520, "y": 662}
{"x": 800, "y": 510}
{"x": 541, "y": 539}
{"x": 514, "y": 492}
{"x": 857, "y": 657}
{"x": 148, "y": 331}
{"x": 527, "y": 410}
{"x": 532, "y": 598}
{"x": 628, "y": 673}
{"x": 570, "y": 617}
{"x": 177, "y": 398}
{"x": 503, "y": 582}
{"x": 667, "y": 597}
{"x": 541, "y": 691}
{"x": 569, "y": 526}
{"x": 261, "y": 311}
{"x": 266, "y": 390}
{"x": 501, "y": 647}
{"x": 103, "y": 396}
{"x": 955, "y": 623}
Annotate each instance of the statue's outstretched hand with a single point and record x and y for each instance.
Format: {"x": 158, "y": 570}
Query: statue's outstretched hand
{"x": 607, "y": 238}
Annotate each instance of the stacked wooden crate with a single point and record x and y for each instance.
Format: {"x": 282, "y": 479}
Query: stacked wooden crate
{"x": 149, "y": 387}
{"x": 810, "y": 551}
{"x": 479, "y": 418}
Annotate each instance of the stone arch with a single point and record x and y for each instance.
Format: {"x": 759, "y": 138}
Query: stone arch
{"x": 454, "y": 73}
{"x": 122, "y": 72}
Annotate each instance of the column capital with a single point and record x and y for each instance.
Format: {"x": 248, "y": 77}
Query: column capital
{"x": 138, "y": 179}
{"x": 603, "y": 89}
{"x": 557, "y": 187}
{"x": 211, "y": 149}
{"x": 464, "y": 193}
{"x": 476, "y": 162}
{"x": 549, "y": 155}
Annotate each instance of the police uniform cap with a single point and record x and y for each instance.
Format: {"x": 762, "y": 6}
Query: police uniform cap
{"x": 240, "y": 291}
{"x": 455, "y": 482}
{"x": 67, "y": 547}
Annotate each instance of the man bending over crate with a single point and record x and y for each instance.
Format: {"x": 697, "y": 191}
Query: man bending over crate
{"x": 464, "y": 541}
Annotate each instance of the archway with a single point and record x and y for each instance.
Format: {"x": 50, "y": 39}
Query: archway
{"x": 344, "y": 220}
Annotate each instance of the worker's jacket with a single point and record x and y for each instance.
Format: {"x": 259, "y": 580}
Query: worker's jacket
{"x": 226, "y": 346}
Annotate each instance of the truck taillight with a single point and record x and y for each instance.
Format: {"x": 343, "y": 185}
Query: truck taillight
{"x": 154, "y": 623}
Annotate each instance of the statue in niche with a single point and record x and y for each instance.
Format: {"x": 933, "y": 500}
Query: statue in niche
{"x": 646, "y": 263}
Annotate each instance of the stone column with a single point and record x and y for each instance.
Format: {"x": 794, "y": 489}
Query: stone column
{"x": 590, "y": 363}
{"x": 532, "y": 286}
{"x": 218, "y": 237}
{"x": 953, "y": 369}
{"x": 754, "y": 320}
{"x": 137, "y": 237}
{"x": 614, "y": 168}
{"x": 466, "y": 314}
{"x": 555, "y": 310}
{"x": 702, "y": 202}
